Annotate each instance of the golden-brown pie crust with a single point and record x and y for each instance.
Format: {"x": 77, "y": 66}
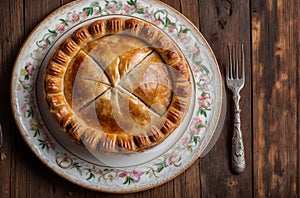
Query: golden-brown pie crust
{"x": 124, "y": 100}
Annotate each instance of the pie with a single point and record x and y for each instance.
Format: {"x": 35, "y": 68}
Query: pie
{"x": 118, "y": 85}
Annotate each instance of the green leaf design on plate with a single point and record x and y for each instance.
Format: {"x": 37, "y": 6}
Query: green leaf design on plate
{"x": 95, "y": 4}
{"x": 44, "y": 144}
{"x": 48, "y": 41}
{"x": 161, "y": 166}
{"x": 64, "y": 22}
{"x": 184, "y": 30}
{"x": 202, "y": 112}
{"x": 140, "y": 11}
{"x": 88, "y": 10}
{"x": 128, "y": 180}
{"x": 37, "y": 133}
{"x": 53, "y": 31}
{"x": 204, "y": 68}
{"x": 196, "y": 139}
{"x": 91, "y": 175}
{"x": 76, "y": 165}
{"x": 132, "y": 2}
{"x": 26, "y": 77}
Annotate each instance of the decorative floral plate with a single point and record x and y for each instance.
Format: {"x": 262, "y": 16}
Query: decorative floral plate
{"x": 136, "y": 177}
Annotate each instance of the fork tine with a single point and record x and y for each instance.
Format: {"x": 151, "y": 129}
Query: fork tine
{"x": 231, "y": 54}
{"x": 243, "y": 63}
{"x": 228, "y": 61}
{"x": 236, "y": 66}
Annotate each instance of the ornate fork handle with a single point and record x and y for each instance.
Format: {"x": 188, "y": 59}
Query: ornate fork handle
{"x": 238, "y": 157}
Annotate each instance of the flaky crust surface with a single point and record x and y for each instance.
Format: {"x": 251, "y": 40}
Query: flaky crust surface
{"x": 137, "y": 96}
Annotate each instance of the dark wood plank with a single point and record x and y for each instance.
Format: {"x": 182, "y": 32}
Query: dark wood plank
{"x": 11, "y": 38}
{"x": 190, "y": 9}
{"x": 223, "y": 21}
{"x": 275, "y": 30}
{"x": 298, "y": 110}
{"x": 36, "y": 11}
{"x": 63, "y": 2}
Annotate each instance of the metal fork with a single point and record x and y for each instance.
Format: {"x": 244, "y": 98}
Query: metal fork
{"x": 235, "y": 82}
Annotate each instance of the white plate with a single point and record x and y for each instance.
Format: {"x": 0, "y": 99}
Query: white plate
{"x": 141, "y": 171}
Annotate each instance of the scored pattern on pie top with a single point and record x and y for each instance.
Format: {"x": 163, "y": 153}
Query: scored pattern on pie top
{"x": 85, "y": 80}
{"x": 113, "y": 88}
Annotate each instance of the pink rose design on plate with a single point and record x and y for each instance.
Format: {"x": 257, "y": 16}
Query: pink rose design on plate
{"x": 171, "y": 28}
{"x": 195, "y": 50}
{"x": 136, "y": 175}
{"x": 198, "y": 124}
{"x": 128, "y": 9}
{"x": 49, "y": 142}
{"x": 183, "y": 37}
{"x": 186, "y": 139}
{"x": 198, "y": 58}
{"x": 61, "y": 27}
{"x": 197, "y": 121}
{"x": 173, "y": 159}
{"x": 204, "y": 101}
{"x": 122, "y": 174}
{"x": 112, "y": 7}
{"x": 156, "y": 21}
{"x": 147, "y": 14}
{"x": 30, "y": 68}
{"x": 97, "y": 11}
{"x": 84, "y": 14}
{"x": 45, "y": 44}
{"x": 26, "y": 107}
{"x": 75, "y": 17}
{"x": 27, "y": 110}
{"x": 196, "y": 68}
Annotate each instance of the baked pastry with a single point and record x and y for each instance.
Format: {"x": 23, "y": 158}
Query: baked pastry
{"x": 118, "y": 85}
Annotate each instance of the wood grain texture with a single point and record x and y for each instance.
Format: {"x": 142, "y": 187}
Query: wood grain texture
{"x": 63, "y": 2}
{"x": 298, "y": 114}
{"x": 220, "y": 23}
{"x": 275, "y": 29}
{"x": 270, "y": 31}
{"x": 190, "y": 9}
{"x": 11, "y": 38}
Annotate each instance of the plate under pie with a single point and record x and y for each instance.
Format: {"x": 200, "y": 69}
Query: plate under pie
{"x": 118, "y": 86}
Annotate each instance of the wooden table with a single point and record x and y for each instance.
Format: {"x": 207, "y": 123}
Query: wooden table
{"x": 270, "y": 103}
